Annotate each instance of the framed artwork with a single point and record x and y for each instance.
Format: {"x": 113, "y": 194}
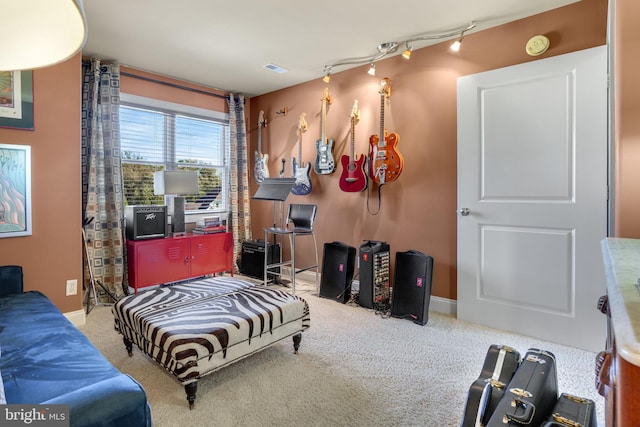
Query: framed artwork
{"x": 15, "y": 190}
{"x": 16, "y": 99}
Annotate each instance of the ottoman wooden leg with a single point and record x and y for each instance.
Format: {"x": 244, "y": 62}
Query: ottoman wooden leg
{"x": 191, "y": 390}
{"x": 128, "y": 345}
{"x": 296, "y": 342}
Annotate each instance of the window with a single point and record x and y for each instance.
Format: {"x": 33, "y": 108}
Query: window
{"x": 156, "y": 135}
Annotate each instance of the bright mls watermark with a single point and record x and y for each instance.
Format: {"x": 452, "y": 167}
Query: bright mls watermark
{"x": 34, "y": 415}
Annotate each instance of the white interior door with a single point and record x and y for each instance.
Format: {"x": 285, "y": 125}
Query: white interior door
{"x": 532, "y": 176}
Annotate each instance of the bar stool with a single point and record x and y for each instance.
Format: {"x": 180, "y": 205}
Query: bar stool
{"x": 299, "y": 222}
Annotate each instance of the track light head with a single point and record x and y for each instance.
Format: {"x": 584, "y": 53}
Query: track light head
{"x": 407, "y": 52}
{"x": 372, "y": 70}
{"x": 455, "y": 46}
{"x": 327, "y": 78}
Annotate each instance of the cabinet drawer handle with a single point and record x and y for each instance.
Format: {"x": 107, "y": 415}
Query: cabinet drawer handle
{"x": 603, "y": 371}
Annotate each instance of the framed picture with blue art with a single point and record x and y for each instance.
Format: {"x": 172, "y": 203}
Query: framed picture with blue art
{"x": 15, "y": 190}
{"x": 16, "y": 99}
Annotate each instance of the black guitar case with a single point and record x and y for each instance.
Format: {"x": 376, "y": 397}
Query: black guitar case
{"x": 572, "y": 411}
{"x": 500, "y": 364}
{"x": 531, "y": 394}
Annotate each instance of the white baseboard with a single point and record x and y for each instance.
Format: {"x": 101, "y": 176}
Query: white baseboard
{"x": 444, "y": 305}
{"x": 438, "y": 304}
{"x": 78, "y": 317}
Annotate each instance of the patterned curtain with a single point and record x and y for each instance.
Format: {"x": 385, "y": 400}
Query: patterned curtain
{"x": 238, "y": 176}
{"x": 102, "y": 201}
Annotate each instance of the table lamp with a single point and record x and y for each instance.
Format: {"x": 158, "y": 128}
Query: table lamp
{"x": 174, "y": 184}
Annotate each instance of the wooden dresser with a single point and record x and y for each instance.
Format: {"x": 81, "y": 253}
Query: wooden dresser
{"x": 622, "y": 374}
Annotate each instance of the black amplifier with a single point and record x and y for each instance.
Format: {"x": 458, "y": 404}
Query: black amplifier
{"x": 252, "y": 258}
{"x": 375, "y": 278}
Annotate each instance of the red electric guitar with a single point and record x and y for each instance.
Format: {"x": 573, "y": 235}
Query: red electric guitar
{"x": 385, "y": 162}
{"x": 354, "y": 176}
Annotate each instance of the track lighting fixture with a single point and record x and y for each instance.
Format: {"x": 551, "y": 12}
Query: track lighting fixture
{"x": 388, "y": 48}
{"x": 455, "y": 46}
{"x": 407, "y": 52}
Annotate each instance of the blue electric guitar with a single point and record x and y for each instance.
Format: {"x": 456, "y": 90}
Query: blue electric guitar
{"x": 325, "y": 163}
{"x": 302, "y": 185}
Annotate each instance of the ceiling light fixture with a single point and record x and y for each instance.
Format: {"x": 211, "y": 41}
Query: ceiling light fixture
{"x": 327, "y": 77}
{"x": 46, "y": 32}
{"x": 388, "y": 48}
{"x": 455, "y": 46}
{"x": 407, "y": 52}
{"x": 372, "y": 69}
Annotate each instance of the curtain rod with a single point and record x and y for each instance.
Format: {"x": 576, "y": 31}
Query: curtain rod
{"x": 174, "y": 85}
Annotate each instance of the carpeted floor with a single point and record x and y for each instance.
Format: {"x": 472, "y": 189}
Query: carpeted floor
{"x": 354, "y": 368}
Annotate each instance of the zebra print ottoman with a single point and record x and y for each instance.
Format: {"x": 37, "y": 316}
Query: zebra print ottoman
{"x": 193, "y": 329}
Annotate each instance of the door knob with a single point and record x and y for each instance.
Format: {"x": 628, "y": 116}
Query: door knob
{"x": 465, "y": 211}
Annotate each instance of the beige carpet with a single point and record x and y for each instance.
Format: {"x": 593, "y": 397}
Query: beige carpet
{"x": 354, "y": 368}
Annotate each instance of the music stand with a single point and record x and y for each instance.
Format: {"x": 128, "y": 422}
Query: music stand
{"x": 276, "y": 190}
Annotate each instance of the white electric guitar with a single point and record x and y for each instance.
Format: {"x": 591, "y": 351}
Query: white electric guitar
{"x": 260, "y": 170}
{"x": 302, "y": 186}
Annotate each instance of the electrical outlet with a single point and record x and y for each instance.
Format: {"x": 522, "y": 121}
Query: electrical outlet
{"x": 72, "y": 287}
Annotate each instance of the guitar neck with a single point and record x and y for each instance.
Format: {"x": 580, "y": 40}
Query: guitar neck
{"x": 260, "y": 125}
{"x": 323, "y": 131}
{"x": 353, "y": 140}
{"x": 300, "y": 147}
{"x": 381, "y": 139}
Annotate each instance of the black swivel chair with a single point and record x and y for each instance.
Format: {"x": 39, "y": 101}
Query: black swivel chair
{"x": 299, "y": 222}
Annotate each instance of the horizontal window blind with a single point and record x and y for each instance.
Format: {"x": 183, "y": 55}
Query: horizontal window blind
{"x": 155, "y": 140}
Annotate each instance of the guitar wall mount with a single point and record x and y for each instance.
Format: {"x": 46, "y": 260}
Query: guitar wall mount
{"x": 283, "y": 111}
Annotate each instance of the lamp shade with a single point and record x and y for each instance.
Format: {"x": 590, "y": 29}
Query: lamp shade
{"x": 175, "y": 182}
{"x": 40, "y": 33}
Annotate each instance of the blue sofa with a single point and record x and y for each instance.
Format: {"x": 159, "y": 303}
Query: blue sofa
{"x": 45, "y": 359}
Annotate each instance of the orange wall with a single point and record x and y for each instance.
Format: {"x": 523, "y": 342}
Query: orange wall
{"x": 627, "y": 118}
{"x": 53, "y": 253}
{"x": 169, "y": 93}
{"x": 418, "y": 211}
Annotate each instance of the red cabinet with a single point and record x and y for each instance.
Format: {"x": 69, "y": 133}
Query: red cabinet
{"x": 157, "y": 261}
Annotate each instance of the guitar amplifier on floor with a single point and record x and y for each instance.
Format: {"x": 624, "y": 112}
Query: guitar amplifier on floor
{"x": 413, "y": 273}
{"x": 252, "y": 258}
{"x": 375, "y": 270}
{"x": 338, "y": 265}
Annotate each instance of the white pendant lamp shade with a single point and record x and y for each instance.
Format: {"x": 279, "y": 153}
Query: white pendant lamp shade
{"x": 39, "y": 33}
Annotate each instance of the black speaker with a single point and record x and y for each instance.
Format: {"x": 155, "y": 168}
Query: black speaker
{"x": 338, "y": 265}
{"x": 375, "y": 274}
{"x": 252, "y": 258}
{"x": 412, "y": 286}
{"x": 177, "y": 220}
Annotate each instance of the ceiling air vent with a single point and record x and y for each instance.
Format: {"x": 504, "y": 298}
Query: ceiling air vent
{"x": 276, "y": 68}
